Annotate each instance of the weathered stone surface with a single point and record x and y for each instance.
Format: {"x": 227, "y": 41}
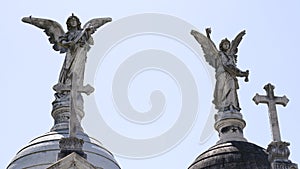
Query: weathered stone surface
{"x": 233, "y": 155}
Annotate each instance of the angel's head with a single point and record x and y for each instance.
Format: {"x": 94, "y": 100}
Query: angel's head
{"x": 73, "y": 22}
{"x": 224, "y": 45}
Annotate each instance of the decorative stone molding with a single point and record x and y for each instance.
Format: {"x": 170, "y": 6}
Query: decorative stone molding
{"x": 230, "y": 126}
{"x": 279, "y": 155}
{"x": 61, "y": 116}
{"x": 278, "y": 151}
{"x": 69, "y": 145}
{"x": 283, "y": 165}
{"x": 73, "y": 161}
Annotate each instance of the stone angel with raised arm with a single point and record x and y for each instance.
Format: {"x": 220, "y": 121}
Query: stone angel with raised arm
{"x": 226, "y": 72}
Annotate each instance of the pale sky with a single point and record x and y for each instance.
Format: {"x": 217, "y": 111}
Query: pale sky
{"x": 30, "y": 68}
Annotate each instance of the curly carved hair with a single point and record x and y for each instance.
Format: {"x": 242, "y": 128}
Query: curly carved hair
{"x": 221, "y": 44}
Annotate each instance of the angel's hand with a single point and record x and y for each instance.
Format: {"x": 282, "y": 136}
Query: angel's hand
{"x": 246, "y": 75}
{"x": 208, "y": 30}
{"x": 89, "y": 31}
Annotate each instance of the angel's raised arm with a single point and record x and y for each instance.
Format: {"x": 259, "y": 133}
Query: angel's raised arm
{"x": 52, "y": 29}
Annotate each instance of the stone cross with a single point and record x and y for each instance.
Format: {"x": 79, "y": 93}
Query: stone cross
{"x": 72, "y": 143}
{"x": 272, "y": 100}
{"x": 75, "y": 90}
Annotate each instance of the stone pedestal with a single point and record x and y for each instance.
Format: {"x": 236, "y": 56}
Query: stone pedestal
{"x": 278, "y": 155}
{"x": 230, "y": 126}
{"x": 61, "y": 111}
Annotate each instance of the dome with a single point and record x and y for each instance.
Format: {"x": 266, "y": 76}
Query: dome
{"x": 42, "y": 151}
{"x": 232, "y": 155}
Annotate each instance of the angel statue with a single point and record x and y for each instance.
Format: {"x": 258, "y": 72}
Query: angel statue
{"x": 75, "y": 43}
{"x": 224, "y": 61}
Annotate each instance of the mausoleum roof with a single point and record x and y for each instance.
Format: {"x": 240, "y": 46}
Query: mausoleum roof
{"x": 42, "y": 152}
{"x": 232, "y": 155}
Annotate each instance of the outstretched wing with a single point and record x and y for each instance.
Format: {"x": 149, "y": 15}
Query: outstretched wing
{"x": 235, "y": 43}
{"x": 210, "y": 51}
{"x": 93, "y": 24}
{"x": 51, "y": 28}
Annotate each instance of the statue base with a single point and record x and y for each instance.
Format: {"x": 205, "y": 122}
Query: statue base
{"x": 61, "y": 111}
{"x": 230, "y": 126}
{"x": 279, "y": 155}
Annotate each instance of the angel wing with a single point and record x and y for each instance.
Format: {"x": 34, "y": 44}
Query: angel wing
{"x": 211, "y": 53}
{"x": 235, "y": 43}
{"x": 51, "y": 28}
{"x": 93, "y": 24}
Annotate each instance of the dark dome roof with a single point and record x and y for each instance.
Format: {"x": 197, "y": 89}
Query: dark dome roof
{"x": 233, "y": 155}
{"x": 42, "y": 151}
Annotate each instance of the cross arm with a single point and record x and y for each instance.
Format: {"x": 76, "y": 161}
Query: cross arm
{"x": 260, "y": 99}
{"x": 281, "y": 100}
{"x": 265, "y": 99}
{"x": 87, "y": 89}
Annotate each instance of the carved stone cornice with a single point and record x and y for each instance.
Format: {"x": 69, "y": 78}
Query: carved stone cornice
{"x": 69, "y": 145}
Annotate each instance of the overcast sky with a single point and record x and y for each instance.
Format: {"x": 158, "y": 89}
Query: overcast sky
{"x": 30, "y": 67}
